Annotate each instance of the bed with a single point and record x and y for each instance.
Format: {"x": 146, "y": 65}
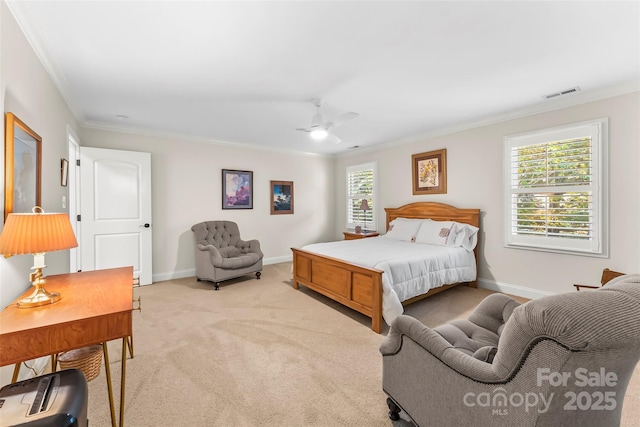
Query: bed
{"x": 360, "y": 287}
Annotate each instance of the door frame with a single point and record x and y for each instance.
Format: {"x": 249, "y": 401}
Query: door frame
{"x": 73, "y": 194}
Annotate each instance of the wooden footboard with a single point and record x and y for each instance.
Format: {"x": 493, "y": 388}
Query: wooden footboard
{"x": 360, "y": 288}
{"x": 356, "y": 287}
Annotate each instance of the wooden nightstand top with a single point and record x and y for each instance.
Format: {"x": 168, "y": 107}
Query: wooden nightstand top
{"x": 352, "y": 235}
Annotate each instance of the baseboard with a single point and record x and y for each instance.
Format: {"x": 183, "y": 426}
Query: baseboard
{"x": 191, "y": 272}
{"x": 278, "y": 259}
{"x": 507, "y": 288}
{"x": 172, "y": 275}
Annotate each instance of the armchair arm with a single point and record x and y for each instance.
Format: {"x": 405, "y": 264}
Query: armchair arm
{"x": 214, "y": 253}
{"x": 406, "y": 327}
{"x": 249, "y": 246}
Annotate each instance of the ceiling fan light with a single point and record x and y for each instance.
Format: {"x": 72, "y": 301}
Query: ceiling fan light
{"x": 318, "y": 133}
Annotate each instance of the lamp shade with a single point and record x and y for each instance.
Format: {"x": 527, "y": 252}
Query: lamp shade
{"x": 364, "y": 205}
{"x": 33, "y": 233}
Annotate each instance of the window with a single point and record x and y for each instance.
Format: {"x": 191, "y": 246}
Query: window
{"x": 555, "y": 182}
{"x": 361, "y": 185}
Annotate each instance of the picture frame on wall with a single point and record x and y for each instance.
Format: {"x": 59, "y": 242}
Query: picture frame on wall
{"x": 429, "y": 172}
{"x": 237, "y": 189}
{"x": 22, "y": 167}
{"x": 281, "y": 197}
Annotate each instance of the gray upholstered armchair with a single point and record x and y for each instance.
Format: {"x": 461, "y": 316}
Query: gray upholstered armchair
{"x": 560, "y": 360}
{"x": 220, "y": 253}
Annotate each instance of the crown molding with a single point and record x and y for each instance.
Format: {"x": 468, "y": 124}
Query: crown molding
{"x": 193, "y": 138}
{"x": 22, "y": 13}
{"x": 578, "y": 98}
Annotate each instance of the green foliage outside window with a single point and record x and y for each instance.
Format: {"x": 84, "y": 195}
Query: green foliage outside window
{"x": 545, "y": 202}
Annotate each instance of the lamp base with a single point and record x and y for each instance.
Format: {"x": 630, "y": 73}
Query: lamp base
{"x": 40, "y": 295}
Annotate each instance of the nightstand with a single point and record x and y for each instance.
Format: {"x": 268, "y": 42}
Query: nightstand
{"x": 352, "y": 235}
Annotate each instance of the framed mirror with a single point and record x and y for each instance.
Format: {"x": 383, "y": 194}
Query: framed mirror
{"x": 22, "y": 166}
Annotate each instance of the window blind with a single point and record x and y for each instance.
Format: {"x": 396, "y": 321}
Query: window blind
{"x": 552, "y": 189}
{"x": 361, "y": 186}
{"x": 554, "y": 192}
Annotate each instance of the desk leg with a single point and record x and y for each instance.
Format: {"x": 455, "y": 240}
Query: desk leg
{"x": 16, "y": 372}
{"x": 125, "y": 342}
{"x": 130, "y": 345}
{"x": 109, "y": 387}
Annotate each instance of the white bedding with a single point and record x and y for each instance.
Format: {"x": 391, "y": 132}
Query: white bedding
{"x": 410, "y": 269}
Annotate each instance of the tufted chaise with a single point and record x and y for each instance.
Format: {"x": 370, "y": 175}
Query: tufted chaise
{"x": 561, "y": 360}
{"x": 220, "y": 254}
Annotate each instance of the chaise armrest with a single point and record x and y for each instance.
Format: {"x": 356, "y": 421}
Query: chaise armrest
{"x": 493, "y": 312}
{"x": 249, "y": 246}
{"x": 406, "y": 327}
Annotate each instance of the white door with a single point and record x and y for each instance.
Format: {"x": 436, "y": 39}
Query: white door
{"x": 115, "y": 209}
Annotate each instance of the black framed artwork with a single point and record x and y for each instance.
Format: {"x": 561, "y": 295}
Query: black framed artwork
{"x": 237, "y": 189}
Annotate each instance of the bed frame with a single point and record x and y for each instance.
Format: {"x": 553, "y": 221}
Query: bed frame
{"x": 360, "y": 288}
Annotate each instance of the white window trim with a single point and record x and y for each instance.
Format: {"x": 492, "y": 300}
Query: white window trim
{"x": 600, "y": 246}
{"x": 373, "y": 224}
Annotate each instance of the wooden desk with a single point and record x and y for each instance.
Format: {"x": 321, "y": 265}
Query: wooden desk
{"x": 96, "y": 307}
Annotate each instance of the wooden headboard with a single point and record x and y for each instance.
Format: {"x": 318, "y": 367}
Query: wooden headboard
{"x": 435, "y": 211}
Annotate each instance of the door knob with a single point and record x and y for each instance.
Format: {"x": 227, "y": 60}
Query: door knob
{"x": 146, "y": 225}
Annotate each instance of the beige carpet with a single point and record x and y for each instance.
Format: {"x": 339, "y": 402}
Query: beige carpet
{"x": 258, "y": 352}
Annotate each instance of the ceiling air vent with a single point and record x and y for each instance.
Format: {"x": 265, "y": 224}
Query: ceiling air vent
{"x": 561, "y": 93}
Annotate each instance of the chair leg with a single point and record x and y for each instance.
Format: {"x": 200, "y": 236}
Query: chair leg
{"x": 394, "y": 410}
{"x": 258, "y": 274}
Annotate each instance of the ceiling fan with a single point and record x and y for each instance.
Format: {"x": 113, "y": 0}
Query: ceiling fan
{"x": 321, "y": 129}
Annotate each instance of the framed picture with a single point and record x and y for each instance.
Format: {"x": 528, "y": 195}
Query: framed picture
{"x": 429, "y": 172}
{"x": 281, "y": 197}
{"x": 64, "y": 172}
{"x": 22, "y": 166}
{"x": 237, "y": 189}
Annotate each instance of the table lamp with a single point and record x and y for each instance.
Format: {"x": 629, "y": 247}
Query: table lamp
{"x": 364, "y": 206}
{"x": 36, "y": 233}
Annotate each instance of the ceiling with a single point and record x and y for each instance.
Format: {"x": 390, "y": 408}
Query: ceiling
{"x": 245, "y": 72}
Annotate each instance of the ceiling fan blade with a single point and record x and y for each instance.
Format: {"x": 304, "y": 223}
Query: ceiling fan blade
{"x": 345, "y": 117}
{"x": 304, "y": 130}
{"x": 333, "y": 139}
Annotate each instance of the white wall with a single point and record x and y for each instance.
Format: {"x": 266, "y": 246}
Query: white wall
{"x": 27, "y": 91}
{"x": 474, "y": 171}
{"x": 186, "y": 189}
{"x": 30, "y": 94}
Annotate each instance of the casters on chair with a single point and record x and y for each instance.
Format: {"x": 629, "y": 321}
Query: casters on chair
{"x": 216, "y": 286}
{"x": 394, "y": 410}
{"x": 258, "y": 274}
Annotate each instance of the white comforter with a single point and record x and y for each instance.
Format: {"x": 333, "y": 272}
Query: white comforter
{"x": 410, "y": 269}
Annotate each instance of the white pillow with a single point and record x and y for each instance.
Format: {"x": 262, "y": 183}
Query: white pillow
{"x": 441, "y": 233}
{"x": 404, "y": 230}
{"x": 467, "y": 236}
